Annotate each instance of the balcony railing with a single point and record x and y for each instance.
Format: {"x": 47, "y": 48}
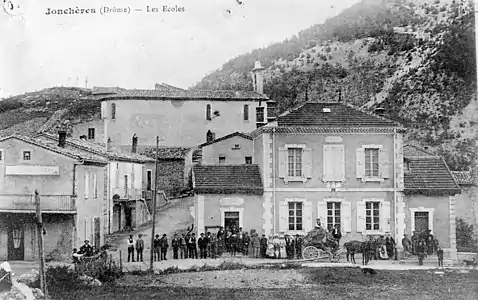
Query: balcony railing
{"x": 128, "y": 194}
{"x": 48, "y": 203}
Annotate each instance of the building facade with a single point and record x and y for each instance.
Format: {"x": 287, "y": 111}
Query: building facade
{"x": 232, "y": 149}
{"x": 70, "y": 183}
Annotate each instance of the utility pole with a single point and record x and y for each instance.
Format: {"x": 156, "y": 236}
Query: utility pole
{"x": 154, "y": 205}
{"x": 40, "y": 245}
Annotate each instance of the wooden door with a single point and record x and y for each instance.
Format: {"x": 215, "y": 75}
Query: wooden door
{"x": 231, "y": 220}
{"x": 16, "y": 244}
{"x": 421, "y": 221}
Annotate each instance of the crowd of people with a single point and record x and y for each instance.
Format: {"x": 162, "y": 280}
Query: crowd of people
{"x": 422, "y": 244}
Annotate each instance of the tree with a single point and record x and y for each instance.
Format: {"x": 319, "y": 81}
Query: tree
{"x": 465, "y": 236}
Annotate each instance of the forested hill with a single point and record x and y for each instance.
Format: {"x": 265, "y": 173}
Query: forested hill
{"x": 415, "y": 58}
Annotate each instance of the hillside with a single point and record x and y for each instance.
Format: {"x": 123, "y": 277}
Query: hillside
{"x": 415, "y": 58}
{"x": 26, "y": 113}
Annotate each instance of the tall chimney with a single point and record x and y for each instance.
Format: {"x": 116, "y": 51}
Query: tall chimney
{"x": 258, "y": 78}
{"x": 108, "y": 144}
{"x": 62, "y": 137}
{"x": 134, "y": 145}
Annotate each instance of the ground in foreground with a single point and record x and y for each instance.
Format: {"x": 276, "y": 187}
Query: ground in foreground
{"x": 307, "y": 283}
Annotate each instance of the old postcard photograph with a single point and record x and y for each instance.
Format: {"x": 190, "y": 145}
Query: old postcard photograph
{"x": 238, "y": 149}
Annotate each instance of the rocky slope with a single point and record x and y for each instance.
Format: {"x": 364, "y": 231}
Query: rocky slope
{"x": 415, "y": 58}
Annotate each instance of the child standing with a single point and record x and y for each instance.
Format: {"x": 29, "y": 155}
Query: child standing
{"x": 440, "y": 257}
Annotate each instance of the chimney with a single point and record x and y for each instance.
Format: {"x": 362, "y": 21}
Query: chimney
{"x": 258, "y": 78}
{"x": 426, "y": 148}
{"x": 380, "y": 111}
{"x": 108, "y": 144}
{"x": 62, "y": 138}
{"x": 134, "y": 144}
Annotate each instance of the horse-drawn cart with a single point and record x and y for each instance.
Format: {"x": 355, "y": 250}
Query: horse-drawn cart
{"x": 316, "y": 249}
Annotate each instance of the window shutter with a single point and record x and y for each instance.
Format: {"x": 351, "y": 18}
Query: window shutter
{"x": 346, "y": 216}
{"x": 144, "y": 178}
{"x": 322, "y": 213}
{"x": 361, "y": 216}
{"x": 384, "y": 162}
{"x": 307, "y": 158}
{"x": 284, "y": 217}
{"x": 307, "y": 215}
{"x": 385, "y": 216}
{"x": 360, "y": 162}
{"x": 282, "y": 162}
{"x": 328, "y": 163}
{"x": 339, "y": 163}
{"x": 104, "y": 110}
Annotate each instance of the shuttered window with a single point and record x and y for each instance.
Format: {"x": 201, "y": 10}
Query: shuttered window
{"x": 294, "y": 162}
{"x": 295, "y": 216}
{"x": 333, "y": 215}
{"x": 371, "y": 162}
{"x": 246, "y": 112}
{"x": 208, "y": 112}
{"x": 334, "y": 163}
{"x": 87, "y": 185}
{"x": 372, "y": 215}
{"x": 95, "y": 186}
{"x": 113, "y": 111}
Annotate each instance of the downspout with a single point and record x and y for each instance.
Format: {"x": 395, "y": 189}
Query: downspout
{"x": 273, "y": 180}
{"x": 395, "y": 185}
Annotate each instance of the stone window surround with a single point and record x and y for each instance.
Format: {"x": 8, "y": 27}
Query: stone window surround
{"x": 23, "y": 152}
{"x": 334, "y": 199}
{"x": 225, "y": 209}
{"x": 373, "y": 232}
{"x": 430, "y": 211}
{"x": 372, "y": 178}
{"x": 295, "y": 178}
{"x": 303, "y": 201}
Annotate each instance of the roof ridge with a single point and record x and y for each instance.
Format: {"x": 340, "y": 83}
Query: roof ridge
{"x": 370, "y": 113}
{"x": 225, "y": 137}
{"x": 449, "y": 173}
{"x": 419, "y": 148}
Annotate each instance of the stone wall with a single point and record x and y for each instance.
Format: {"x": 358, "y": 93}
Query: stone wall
{"x": 171, "y": 174}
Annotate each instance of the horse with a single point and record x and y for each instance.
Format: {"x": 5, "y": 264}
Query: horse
{"x": 369, "y": 251}
{"x": 352, "y": 248}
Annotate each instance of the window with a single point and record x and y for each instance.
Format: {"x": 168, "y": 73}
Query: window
{"x": 248, "y": 160}
{"x": 372, "y": 215}
{"x": 371, "y": 162}
{"x": 333, "y": 214}
{"x": 91, "y": 133}
{"x": 236, "y": 147}
{"x": 208, "y": 112}
{"x": 295, "y": 215}
{"x": 113, "y": 111}
{"x": 294, "y": 162}
{"x": 95, "y": 186}
{"x": 1, "y": 156}
{"x": 260, "y": 114}
{"x": 27, "y": 155}
{"x": 222, "y": 159}
{"x": 149, "y": 176}
{"x": 246, "y": 112}
{"x": 87, "y": 185}
{"x": 126, "y": 185}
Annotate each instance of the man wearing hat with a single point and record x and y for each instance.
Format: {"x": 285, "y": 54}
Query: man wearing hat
{"x": 202, "y": 243}
{"x": 139, "y": 248}
{"x": 192, "y": 246}
{"x": 86, "y": 249}
{"x": 130, "y": 243}
{"x": 263, "y": 245}
{"x": 164, "y": 247}
{"x": 406, "y": 243}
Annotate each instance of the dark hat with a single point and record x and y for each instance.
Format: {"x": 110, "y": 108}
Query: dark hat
{"x": 164, "y": 234}
{"x": 202, "y": 233}
{"x": 86, "y": 241}
{"x": 157, "y": 235}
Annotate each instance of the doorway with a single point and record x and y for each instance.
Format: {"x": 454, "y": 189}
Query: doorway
{"x": 97, "y": 232}
{"x": 128, "y": 217}
{"x": 231, "y": 220}
{"x": 16, "y": 245}
{"x": 421, "y": 221}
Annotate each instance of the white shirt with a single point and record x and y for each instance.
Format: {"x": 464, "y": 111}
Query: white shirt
{"x": 130, "y": 243}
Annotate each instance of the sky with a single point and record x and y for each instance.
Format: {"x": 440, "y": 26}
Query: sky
{"x": 139, "y": 49}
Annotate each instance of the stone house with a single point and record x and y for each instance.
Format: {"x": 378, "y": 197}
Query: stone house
{"x": 70, "y": 182}
{"x": 232, "y": 149}
{"x": 429, "y": 198}
{"x": 182, "y": 118}
{"x": 336, "y": 163}
{"x": 129, "y": 182}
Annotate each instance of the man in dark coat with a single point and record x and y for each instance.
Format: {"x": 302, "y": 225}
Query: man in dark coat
{"x": 164, "y": 246}
{"x": 202, "y": 244}
{"x": 298, "y": 246}
{"x": 192, "y": 247}
{"x": 336, "y": 233}
{"x": 175, "y": 243}
{"x": 289, "y": 247}
{"x": 183, "y": 246}
{"x": 208, "y": 244}
{"x": 87, "y": 250}
{"x": 263, "y": 243}
{"x": 139, "y": 248}
{"x": 157, "y": 248}
{"x": 246, "y": 240}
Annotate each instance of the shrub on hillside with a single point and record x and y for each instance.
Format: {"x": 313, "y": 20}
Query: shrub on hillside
{"x": 465, "y": 236}
{"x": 6, "y": 105}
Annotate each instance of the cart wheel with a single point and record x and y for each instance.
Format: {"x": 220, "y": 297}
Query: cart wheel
{"x": 310, "y": 252}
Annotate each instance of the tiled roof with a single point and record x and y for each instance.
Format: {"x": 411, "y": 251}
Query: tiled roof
{"x": 464, "y": 177}
{"x": 68, "y": 150}
{"x": 331, "y": 114}
{"x": 167, "y": 94}
{"x": 163, "y": 152}
{"x": 429, "y": 173}
{"x": 114, "y": 153}
{"x": 413, "y": 150}
{"x": 162, "y": 86}
{"x": 227, "y": 179}
{"x": 237, "y": 133}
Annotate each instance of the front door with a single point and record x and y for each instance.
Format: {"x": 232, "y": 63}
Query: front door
{"x": 231, "y": 220}
{"x": 127, "y": 217}
{"x": 97, "y": 232}
{"x": 16, "y": 249}
{"x": 421, "y": 221}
